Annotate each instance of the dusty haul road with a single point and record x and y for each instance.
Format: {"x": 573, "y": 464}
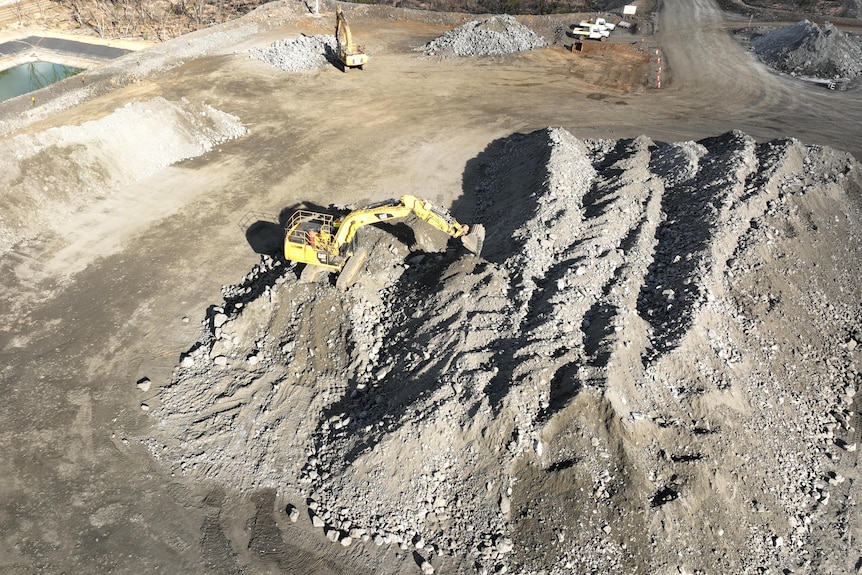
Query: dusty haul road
{"x": 107, "y": 278}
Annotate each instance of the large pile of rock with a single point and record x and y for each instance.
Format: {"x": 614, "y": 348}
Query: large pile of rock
{"x": 807, "y": 49}
{"x": 298, "y": 54}
{"x": 495, "y": 36}
{"x": 656, "y": 355}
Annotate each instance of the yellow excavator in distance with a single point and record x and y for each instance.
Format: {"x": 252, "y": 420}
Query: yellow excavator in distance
{"x": 324, "y": 242}
{"x": 349, "y": 54}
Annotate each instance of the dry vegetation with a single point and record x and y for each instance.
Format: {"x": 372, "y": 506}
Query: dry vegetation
{"x": 159, "y": 20}
{"x": 503, "y": 6}
{"x": 153, "y": 19}
{"x": 165, "y": 19}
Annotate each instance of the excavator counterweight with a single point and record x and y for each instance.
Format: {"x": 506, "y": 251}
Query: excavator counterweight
{"x": 327, "y": 242}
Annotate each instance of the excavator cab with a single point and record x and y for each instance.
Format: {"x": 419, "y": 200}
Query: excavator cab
{"x": 309, "y": 239}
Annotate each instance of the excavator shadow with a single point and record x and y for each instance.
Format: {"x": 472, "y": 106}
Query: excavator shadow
{"x": 263, "y": 235}
{"x": 332, "y": 57}
{"x": 264, "y": 231}
{"x": 401, "y": 231}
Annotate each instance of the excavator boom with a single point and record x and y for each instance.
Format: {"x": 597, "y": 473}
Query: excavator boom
{"x": 392, "y": 209}
{"x": 318, "y": 239}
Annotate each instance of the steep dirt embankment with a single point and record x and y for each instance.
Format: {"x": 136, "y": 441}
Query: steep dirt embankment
{"x": 652, "y": 365}
{"x": 59, "y": 170}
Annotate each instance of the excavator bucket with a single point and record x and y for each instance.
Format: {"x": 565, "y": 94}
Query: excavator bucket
{"x": 312, "y": 274}
{"x": 351, "y": 269}
{"x": 474, "y": 240}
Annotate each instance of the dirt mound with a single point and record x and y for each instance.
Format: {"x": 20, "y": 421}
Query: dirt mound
{"x": 57, "y": 170}
{"x": 806, "y": 49}
{"x": 494, "y": 36}
{"x": 642, "y": 366}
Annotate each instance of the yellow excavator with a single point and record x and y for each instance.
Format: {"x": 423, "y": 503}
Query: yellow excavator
{"x": 326, "y": 242}
{"x": 349, "y": 54}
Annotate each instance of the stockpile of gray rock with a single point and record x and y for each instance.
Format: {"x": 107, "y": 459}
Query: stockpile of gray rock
{"x": 495, "y": 36}
{"x": 806, "y": 49}
{"x": 298, "y": 54}
{"x": 653, "y": 363}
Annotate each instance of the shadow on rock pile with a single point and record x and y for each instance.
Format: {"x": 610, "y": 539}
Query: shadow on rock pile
{"x": 652, "y": 367}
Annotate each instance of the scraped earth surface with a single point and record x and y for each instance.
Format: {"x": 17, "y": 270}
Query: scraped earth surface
{"x": 68, "y": 167}
{"x": 652, "y": 366}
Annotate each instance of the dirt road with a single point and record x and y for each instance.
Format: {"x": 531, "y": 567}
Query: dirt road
{"x": 106, "y": 296}
{"x": 708, "y": 66}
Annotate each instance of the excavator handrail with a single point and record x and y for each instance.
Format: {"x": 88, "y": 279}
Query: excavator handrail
{"x": 311, "y": 228}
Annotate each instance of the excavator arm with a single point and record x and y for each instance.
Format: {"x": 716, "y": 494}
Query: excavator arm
{"x": 394, "y": 209}
{"x": 342, "y": 31}
{"x": 322, "y": 240}
{"x": 350, "y": 55}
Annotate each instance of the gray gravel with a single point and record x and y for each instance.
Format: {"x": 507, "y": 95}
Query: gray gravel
{"x": 298, "y": 54}
{"x": 806, "y": 49}
{"x": 494, "y": 36}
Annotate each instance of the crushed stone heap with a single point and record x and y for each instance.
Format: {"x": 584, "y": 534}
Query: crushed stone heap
{"x": 806, "y": 49}
{"x": 650, "y": 368}
{"x": 495, "y": 36}
{"x": 298, "y": 54}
